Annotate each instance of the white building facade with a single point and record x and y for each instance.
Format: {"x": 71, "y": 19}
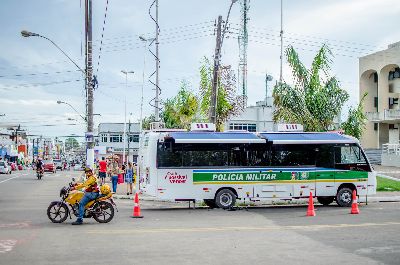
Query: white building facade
{"x": 254, "y": 118}
{"x": 110, "y": 140}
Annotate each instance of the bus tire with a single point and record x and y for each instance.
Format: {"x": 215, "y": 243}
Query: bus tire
{"x": 344, "y": 197}
{"x": 225, "y": 199}
{"x": 210, "y": 203}
{"x": 325, "y": 200}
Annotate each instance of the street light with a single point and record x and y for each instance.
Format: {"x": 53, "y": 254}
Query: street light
{"x": 27, "y": 34}
{"x": 89, "y": 97}
{"x": 126, "y": 88}
{"x": 66, "y": 103}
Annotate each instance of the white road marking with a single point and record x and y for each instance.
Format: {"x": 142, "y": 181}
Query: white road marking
{"x": 7, "y": 245}
{"x": 9, "y": 179}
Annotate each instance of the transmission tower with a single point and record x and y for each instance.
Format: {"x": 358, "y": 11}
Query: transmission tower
{"x": 243, "y": 41}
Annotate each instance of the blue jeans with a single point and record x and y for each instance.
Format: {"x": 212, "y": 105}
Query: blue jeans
{"x": 87, "y": 197}
{"x": 114, "y": 180}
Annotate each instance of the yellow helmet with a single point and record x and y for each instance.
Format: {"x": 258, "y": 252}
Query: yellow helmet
{"x": 105, "y": 189}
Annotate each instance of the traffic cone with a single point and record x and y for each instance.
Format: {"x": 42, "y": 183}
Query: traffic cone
{"x": 354, "y": 206}
{"x": 136, "y": 208}
{"x": 310, "y": 210}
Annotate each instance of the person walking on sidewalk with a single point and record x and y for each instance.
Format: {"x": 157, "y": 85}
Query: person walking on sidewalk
{"x": 114, "y": 171}
{"x": 102, "y": 170}
{"x": 129, "y": 178}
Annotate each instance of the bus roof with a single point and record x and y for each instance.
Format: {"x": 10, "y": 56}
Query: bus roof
{"x": 307, "y": 138}
{"x": 215, "y": 137}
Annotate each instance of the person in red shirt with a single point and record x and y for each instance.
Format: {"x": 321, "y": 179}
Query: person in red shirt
{"x": 103, "y": 170}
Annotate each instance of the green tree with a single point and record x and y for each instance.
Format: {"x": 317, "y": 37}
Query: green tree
{"x": 228, "y": 103}
{"x": 356, "y": 120}
{"x": 147, "y": 120}
{"x": 71, "y": 143}
{"x": 181, "y": 110}
{"x": 315, "y": 99}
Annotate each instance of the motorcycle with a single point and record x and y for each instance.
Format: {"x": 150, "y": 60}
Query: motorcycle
{"x": 39, "y": 173}
{"x": 101, "y": 209}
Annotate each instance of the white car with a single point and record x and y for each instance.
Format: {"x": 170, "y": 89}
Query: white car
{"x": 4, "y": 168}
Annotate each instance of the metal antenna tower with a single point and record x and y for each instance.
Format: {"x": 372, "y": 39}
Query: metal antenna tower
{"x": 243, "y": 41}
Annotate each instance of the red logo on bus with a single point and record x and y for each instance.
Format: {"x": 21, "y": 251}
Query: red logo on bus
{"x": 176, "y": 178}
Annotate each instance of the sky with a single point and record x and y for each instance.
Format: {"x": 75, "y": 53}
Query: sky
{"x": 34, "y": 75}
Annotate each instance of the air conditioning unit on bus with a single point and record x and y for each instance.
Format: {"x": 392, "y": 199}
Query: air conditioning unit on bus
{"x": 205, "y": 127}
{"x": 290, "y": 127}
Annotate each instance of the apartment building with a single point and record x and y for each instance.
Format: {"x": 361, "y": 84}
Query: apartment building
{"x": 379, "y": 75}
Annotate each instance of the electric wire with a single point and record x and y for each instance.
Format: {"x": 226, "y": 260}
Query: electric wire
{"x": 102, "y": 36}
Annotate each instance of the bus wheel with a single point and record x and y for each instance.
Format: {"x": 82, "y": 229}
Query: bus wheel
{"x": 344, "y": 197}
{"x": 210, "y": 203}
{"x": 225, "y": 199}
{"x": 325, "y": 200}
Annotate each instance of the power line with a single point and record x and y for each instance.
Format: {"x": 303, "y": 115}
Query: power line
{"x": 102, "y": 36}
{"x": 43, "y": 73}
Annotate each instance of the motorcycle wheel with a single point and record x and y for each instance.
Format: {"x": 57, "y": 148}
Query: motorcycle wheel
{"x": 57, "y": 212}
{"x": 103, "y": 212}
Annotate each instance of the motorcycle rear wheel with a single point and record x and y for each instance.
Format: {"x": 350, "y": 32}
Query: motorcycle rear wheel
{"x": 57, "y": 212}
{"x": 103, "y": 212}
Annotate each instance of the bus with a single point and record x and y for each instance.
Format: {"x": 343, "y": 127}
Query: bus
{"x": 221, "y": 168}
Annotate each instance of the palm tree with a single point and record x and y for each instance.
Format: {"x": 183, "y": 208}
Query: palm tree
{"x": 315, "y": 99}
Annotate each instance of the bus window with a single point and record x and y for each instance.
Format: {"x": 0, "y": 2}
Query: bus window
{"x": 203, "y": 155}
{"x": 324, "y": 156}
{"x": 293, "y": 155}
{"x": 350, "y": 157}
{"x": 169, "y": 155}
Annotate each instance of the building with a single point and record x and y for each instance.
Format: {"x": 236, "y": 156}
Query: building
{"x": 379, "y": 75}
{"x": 110, "y": 140}
{"x": 254, "y": 118}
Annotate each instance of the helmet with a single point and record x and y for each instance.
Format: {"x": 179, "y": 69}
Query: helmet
{"x": 105, "y": 189}
{"x": 88, "y": 170}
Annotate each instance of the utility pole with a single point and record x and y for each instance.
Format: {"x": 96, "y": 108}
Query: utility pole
{"x": 213, "y": 108}
{"x": 243, "y": 42}
{"x": 88, "y": 83}
{"x": 157, "y": 114}
{"x": 129, "y": 134}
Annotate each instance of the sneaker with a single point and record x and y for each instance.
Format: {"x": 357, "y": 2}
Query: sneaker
{"x": 77, "y": 222}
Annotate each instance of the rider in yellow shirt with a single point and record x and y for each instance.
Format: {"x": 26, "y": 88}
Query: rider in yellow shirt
{"x": 91, "y": 193}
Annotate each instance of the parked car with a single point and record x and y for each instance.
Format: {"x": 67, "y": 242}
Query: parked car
{"x": 4, "y": 168}
{"x": 59, "y": 164}
{"x": 49, "y": 166}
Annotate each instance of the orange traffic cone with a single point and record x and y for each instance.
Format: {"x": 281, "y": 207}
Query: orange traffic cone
{"x": 354, "y": 206}
{"x": 310, "y": 210}
{"x": 136, "y": 208}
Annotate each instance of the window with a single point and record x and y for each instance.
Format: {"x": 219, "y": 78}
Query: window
{"x": 349, "y": 154}
{"x": 250, "y": 127}
{"x": 115, "y": 138}
{"x": 104, "y": 138}
{"x": 212, "y": 155}
{"x": 134, "y": 138}
{"x": 293, "y": 155}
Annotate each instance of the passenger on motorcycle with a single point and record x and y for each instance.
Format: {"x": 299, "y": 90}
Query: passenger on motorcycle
{"x": 39, "y": 164}
{"x": 91, "y": 193}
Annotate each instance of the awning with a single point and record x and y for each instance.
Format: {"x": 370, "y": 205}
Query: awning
{"x": 215, "y": 137}
{"x": 308, "y": 138}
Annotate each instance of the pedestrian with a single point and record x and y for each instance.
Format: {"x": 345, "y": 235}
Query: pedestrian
{"x": 121, "y": 174}
{"x": 129, "y": 178}
{"x": 113, "y": 169}
{"x": 102, "y": 170}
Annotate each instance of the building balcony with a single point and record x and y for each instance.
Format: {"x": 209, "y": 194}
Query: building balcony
{"x": 386, "y": 115}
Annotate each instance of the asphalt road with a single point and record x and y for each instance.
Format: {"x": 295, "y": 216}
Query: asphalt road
{"x": 171, "y": 233}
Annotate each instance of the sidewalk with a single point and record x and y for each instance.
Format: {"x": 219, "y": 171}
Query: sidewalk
{"x": 393, "y": 172}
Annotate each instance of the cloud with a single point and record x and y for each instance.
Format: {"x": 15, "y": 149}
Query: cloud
{"x": 28, "y": 102}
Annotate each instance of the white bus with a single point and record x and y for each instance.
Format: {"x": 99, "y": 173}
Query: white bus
{"x": 220, "y": 168}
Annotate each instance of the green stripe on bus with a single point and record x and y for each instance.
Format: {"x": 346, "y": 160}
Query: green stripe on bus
{"x": 299, "y": 176}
